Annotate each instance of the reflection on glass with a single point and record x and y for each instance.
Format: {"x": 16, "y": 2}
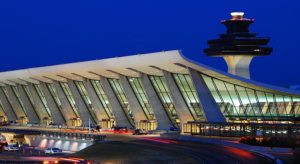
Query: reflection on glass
{"x": 163, "y": 92}
{"x": 84, "y": 94}
{"x": 119, "y": 92}
{"x": 55, "y": 97}
{"x": 17, "y": 94}
{"x": 102, "y": 97}
{"x": 251, "y": 104}
{"x": 188, "y": 91}
{"x": 42, "y": 97}
{"x": 70, "y": 97}
{"x": 140, "y": 93}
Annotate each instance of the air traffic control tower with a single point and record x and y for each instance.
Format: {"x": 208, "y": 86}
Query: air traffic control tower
{"x": 238, "y": 46}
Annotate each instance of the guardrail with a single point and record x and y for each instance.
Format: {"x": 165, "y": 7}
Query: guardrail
{"x": 67, "y": 135}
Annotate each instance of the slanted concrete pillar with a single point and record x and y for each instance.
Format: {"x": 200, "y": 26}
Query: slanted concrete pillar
{"x": 83, "y": 110}
{"x": 96, "y": 103}
{"x": 2, "y": 113}
{"x": 38, "y": 104}
{"x": 66, "y": 107}
{"x": 33, "y": 117}
{"x": 10, "y": 114}
{"x": 119, "y": 113}
{"x": 162, "y": 118}
{"x": 210, "y": 108}
{"x": 15, "y": 103}
{"x": 133, "y": 102}
{"x": 56, "y": 113}
{"x": 181, "y": 107}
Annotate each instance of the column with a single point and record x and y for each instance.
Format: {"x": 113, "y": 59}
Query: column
{"x": 39, "y": 106}
{"x": 210, "y": 108}
{"x": 83, "y": 111}
{"x": 33, "y": 117}
{"x": 15, "y": 103}
{"x": 182, "y": 109}
{"x": 96, "y": 103}
{"x": 133, "y": 102}
{"x": 119, "y": 113}
{"x": 67, "y": 108}
{"x": 163, "y": 121}
{"x": 10, "y": 114}
{"x": 57, "y": 115}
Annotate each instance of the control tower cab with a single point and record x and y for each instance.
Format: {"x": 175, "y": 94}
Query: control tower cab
{"x": 238, "y": 46}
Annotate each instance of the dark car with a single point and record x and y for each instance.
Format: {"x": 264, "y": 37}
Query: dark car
{"x": 120, "y": 129}
{"x": 139, "y": 132}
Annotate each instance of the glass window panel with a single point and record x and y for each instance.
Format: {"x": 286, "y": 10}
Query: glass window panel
{"x": 119, "y": 92}
{"x": 288, "y": 105}
{"x": 140, "y": 93}
{"x": 17, "y": 94}
{"x": 87, "y": 101}
{"x": 226, "y": 98}
{"x": 42, "y": 97}
{"x": 256, "y": 108}
{"x": 70, "y": 97}
{"x": 102, "y": 97}
{"x": 55, "y": 97}
{"x": 296, "y": 105}
{"x": 234, "y": 99}
{"x": 189, "y": 94}
{"x": 247, "y": 105}
{"x": 272, "y": 104}
{"x": 7, "y": 97}
{"x": 281, "y": 106}
{"x": 160, "y": 86}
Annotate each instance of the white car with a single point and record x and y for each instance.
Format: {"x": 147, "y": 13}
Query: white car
{"x": 11, "y": 147}
{"x": 53, "y": 150}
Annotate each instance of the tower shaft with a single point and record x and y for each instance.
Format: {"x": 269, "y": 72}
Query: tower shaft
{"x": 239, "y": 65}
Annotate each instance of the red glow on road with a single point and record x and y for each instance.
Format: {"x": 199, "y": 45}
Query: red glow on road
{"x": 165, "y": 141}
{"x": 240, "y": 152}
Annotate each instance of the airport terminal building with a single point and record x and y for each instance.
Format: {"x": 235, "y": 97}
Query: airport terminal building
{"x": 152, "y": 91}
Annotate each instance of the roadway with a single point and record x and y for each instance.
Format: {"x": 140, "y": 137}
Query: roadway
{"x": 181, "y": 151}
{"x": 128, "y": 148}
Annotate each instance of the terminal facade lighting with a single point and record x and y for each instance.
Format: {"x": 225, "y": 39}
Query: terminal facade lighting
{"x": 153, "y": 91}
{"x": 238, "y": 46}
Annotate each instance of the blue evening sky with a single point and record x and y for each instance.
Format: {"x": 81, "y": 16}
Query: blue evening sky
{"x": 47, "y": 32}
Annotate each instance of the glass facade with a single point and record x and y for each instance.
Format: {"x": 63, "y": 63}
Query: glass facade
{"x": 119, "y": 92}
{"x": 88, "y": 103}
{"x": 188, "y": 91}
{"x": 42, "y": 98}
{"x": 3, "y": 115}
{"x": 70, "y": 97}
{"x": 17, "y": 94}
{"x": 140, "y": 93}
{"x": 8, "y": 98}
{"x": 239, "y": 103}
{"x": 97, "y": 85}
{"x": 55, "y": 97}
{"x": 163, "y": 92}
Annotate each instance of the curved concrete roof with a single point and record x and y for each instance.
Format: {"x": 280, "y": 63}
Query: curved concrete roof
{"x": 150, "y": 63}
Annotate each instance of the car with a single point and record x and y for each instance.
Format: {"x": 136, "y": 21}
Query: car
{"x": 11, "y": 147}
{"x": 53, "y": 150}
{"x": 139, "y": 132}
{"x": 120, "y": 129}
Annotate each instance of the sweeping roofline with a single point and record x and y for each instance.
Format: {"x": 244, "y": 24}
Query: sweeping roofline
{"x": 167, "y": 60}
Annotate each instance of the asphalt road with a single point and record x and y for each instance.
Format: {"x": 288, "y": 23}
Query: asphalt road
{"x": 143, "y": 149}
{"x": 205, "y": 153}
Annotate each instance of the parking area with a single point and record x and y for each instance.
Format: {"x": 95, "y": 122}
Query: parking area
{"x": 33, "y": 151}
